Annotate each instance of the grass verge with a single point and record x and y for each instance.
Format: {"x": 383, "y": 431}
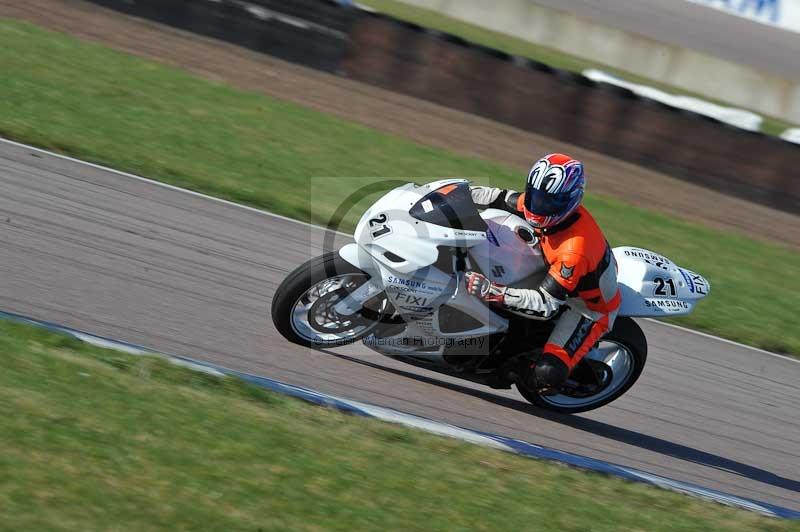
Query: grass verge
{"x": 94, "y": 439}
{"x": 103, "y": 106}
{"x": 549, "y": 56}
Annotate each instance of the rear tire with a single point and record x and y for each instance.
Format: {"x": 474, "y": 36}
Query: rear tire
{"x": 297, "y": 285}
{"x": 626, "y": 333}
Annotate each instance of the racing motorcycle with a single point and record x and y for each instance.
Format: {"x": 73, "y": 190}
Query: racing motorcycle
{"x": 399, "y": 290}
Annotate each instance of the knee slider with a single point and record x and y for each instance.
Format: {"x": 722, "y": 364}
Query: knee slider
{"x": 550, "y": 371}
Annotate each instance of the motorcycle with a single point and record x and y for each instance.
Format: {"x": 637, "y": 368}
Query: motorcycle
{"x": 399, "y": 290}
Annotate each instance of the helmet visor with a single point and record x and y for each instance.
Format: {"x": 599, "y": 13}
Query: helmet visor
{"x": 543, "y": 203}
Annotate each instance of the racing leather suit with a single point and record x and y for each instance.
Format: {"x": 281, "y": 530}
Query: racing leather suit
{"x": 582, "y": 274}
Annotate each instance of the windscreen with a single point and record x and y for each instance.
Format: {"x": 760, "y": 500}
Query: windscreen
{"x": 450, "y": 206}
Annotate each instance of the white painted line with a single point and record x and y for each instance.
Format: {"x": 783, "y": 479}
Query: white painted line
{"x": 165, "y": 185}
{"x": 108, "y": 344}
{"x": 306, "y": 224}
{"x": 195, "y": 367}
{"x": 435, "y": 427}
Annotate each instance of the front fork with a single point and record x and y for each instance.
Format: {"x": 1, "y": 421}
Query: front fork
{"x": 354, "y": 301}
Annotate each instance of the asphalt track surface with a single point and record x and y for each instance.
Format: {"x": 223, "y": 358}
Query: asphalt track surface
{"x": 697, "y": 27}
{"x": 177, "y": 272}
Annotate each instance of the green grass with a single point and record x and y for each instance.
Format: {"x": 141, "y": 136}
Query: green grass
{"x": 98, "y": 440}
{"x": 135, "y": 115}
{"x": 543, "y": 54}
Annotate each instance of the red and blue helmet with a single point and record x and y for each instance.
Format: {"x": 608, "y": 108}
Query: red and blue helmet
{"x": 554, "y": 190}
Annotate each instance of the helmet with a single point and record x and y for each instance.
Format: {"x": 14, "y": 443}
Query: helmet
{"x": 554, "y": 190}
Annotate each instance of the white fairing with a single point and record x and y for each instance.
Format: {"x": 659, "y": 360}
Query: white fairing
{"x": 652, "y": 285}
{"x": 387, "y": 226}
{"x": 401, "y": 253}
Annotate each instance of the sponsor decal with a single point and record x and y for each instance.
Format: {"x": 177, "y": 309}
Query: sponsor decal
{"x": 411, "y": 303}
{"x": 579, "y": 336}
{"x": 410, "y": 299}
{"x": 498, "y": 271}
{"x": 416, "y": 310}
{"x": 411, "y": 283}
{"x": 566, "y": 273}
{"x": 650, "y": 258}
{"x": 426, "y": 325}
{"x": 700, "y": 285}
{"x": 469, "y": 234}
{"x": 405, "y": 289}
{"x": 688, "y": 279}
{"x": 667, "y": 305}
{"x": 696, "y": 283}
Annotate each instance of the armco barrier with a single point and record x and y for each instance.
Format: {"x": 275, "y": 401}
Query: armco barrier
{"x": 308, "y": 32}
{"x": 324, "y": 13}
{"x": 447, "y": 70}
{"x": 574, "y": 109}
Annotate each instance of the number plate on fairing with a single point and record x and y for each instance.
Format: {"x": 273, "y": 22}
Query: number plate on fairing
{"x": 653, "y": 285}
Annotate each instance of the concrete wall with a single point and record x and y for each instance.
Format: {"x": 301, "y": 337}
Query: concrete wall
{"x": 741, "y": 85}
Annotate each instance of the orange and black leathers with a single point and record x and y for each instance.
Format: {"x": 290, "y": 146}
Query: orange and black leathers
{"x": 582, "y": 270}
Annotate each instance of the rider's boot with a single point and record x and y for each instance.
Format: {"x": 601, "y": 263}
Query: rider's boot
{"x": 548, "y": 375}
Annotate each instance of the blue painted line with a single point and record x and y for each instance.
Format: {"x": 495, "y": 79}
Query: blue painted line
{"x": 300, "y": 393}
{"x": 482, "y": 438}
{"x": 629, "y": 473}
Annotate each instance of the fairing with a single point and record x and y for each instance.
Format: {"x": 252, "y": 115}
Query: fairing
{"x": 389, "y": 233}
{"x": 652, "y": 285}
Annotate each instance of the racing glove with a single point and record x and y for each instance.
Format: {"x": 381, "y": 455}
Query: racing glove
{"x": 537, "y": 303}
{"x": 495, "y": 198}
{"x": 478, "y": 285}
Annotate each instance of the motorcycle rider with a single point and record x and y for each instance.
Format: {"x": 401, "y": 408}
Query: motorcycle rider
{"x": 582, "y": 270}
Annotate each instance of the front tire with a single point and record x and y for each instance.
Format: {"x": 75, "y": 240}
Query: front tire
{"x": 302, "y": 307}
{"x": 623, "y": 351}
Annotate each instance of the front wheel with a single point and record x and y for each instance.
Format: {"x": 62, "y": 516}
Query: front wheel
{"x": 604, "y": 374}
{"x": 304, "y": 307}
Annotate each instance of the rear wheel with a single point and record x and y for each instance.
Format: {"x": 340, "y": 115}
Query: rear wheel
{"x": 604, "y": 374}
{"x": 304, "y": 307}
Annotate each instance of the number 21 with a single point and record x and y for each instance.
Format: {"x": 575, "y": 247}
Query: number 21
{"x": 661, "y": 287}
{"x": 379, "y": 226}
